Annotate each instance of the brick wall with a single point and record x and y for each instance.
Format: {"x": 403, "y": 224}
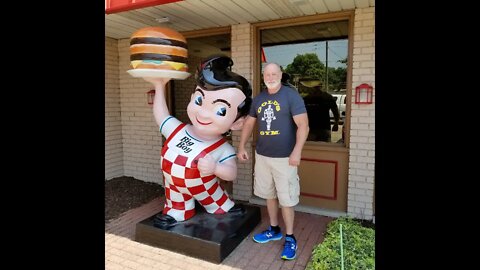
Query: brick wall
{"x": 362, "y": 131}
{"x": 141, "y": 136}
{"x": 241, "y": 56}
{"x": 113, "y": 125}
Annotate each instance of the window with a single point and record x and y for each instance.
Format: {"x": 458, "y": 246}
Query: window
{"x": 315, "y": 58}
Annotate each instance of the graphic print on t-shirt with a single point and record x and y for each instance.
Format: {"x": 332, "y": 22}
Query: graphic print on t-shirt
{"x": 269, "y": 116}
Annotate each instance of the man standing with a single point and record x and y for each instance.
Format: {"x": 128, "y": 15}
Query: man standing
{"x": 282, "y": 132}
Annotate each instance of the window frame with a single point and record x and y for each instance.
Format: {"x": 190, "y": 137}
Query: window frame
{"x": 257, "y": 58}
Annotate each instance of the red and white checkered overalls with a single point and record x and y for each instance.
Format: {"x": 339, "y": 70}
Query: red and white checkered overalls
{"x": 183, "y": 180}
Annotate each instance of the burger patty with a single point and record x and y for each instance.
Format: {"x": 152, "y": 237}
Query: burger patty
{"x": 161, "y": 49}
{"x": 156, "y": 56}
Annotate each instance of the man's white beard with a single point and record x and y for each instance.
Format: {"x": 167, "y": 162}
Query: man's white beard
{"x": 272, "y": 85}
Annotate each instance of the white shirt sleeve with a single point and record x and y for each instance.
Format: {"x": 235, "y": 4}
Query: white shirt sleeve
{"x": 227, "y": 152}
{"x": 169, "y": 125}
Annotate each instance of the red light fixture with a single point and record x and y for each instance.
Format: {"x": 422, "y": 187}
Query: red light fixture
{"x": 364, "y": 94}
{"x": 150, "y": 96}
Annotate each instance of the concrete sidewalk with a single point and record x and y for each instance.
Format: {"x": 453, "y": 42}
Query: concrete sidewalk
{"x": 122, "y": 252}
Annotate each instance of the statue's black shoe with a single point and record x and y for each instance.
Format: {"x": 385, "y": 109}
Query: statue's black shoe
{"x": 164, "y": 221}
{"x": 238, "y": 208}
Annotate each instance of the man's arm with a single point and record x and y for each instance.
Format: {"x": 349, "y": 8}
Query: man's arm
{"x": 246, "y": 132}
{"x": 336, "y": 116}
{"x": 301, "y": 120}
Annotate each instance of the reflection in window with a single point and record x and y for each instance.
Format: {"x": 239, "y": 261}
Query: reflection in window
{"x": 314, "y": 58}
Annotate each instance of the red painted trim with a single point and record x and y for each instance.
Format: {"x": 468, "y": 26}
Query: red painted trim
{"x": 215, "y": 145}
{"x": 264, "y": 59}
{"x": 207, "y": 150}
{"x": 115, "y": 6}
{"x": 335, "y": 181}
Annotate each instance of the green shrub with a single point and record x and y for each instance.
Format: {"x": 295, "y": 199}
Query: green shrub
{"x": 358, "y": 247}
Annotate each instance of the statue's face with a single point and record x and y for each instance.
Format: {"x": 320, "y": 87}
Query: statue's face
{"x": 212, "y": 113}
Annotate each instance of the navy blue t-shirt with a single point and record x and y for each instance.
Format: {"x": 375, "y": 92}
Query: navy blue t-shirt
{"x": 276, "y": 128}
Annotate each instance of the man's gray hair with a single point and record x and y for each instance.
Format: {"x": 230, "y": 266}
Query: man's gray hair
{"x": 275, "y": 64}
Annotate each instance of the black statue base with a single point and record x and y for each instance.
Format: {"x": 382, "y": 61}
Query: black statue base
{"x": 205, "y": 236}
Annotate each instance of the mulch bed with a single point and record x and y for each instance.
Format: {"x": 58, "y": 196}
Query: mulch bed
{"x": 125, "y": 193}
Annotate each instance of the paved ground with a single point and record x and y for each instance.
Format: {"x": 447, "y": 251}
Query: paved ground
{"x": 121, "y": 252}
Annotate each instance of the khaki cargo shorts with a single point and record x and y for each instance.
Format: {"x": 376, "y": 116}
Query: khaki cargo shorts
{"x": 275, "y": 178}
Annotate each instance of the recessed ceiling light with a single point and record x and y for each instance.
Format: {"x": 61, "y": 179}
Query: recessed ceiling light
{"x": 162, "y": 19}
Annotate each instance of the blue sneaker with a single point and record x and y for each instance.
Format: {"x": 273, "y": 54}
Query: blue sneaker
{"x": 289, "y": 249}
{"x": 267, "y": 235}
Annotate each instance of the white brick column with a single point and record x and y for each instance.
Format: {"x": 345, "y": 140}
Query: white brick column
{"x": 113, "y": 125}
{"x": 141, "y": 136}
{"x": 362, "y": 131}
{"x": 242, "y": 59}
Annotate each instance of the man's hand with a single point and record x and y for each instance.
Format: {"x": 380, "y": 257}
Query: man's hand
{"x": 242, "y": 154}
{"x": 207, "y": 165}
{"x": 335, "y": 127}
{"x": 294, "y": 159}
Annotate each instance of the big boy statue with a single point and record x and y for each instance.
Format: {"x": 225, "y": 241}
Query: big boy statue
{"x": 195, "y": 155}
